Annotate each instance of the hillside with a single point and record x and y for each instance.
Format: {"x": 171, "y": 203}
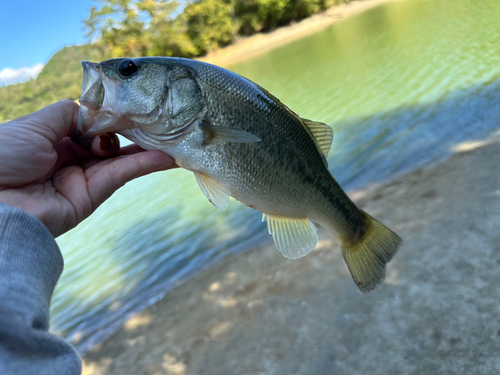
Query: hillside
{"x": 203, "y": 26}
{"x": 60, "y": 79}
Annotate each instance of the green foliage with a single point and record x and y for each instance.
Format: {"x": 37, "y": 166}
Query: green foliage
{"x": 138, "y": 28}
{"x": 67, "y": 61}
{"x": 60, "y": 79}
{"x": 118, "y": 28}
{"x": 261, "y": 15}
{"x": 210, "y": 24}
{"x": 150, "y": 28}
{"x": 264, "y": 15}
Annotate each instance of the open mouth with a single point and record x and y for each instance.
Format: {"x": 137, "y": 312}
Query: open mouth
{"x": 92, "y": 86}
{"x": 93, "y": 118}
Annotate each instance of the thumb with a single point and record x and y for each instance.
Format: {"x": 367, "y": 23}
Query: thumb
{"x": 55, "y": 121}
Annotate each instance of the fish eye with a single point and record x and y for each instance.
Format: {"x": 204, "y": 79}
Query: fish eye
{"x": 127, "y": 67}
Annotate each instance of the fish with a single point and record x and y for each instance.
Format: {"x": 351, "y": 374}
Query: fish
{"x": 241, "y": 141}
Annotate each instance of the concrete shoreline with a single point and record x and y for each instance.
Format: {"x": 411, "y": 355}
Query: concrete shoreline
{"x": 259, "y": 313}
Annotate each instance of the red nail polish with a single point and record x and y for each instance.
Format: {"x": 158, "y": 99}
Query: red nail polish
{"x": 106, "y": 143}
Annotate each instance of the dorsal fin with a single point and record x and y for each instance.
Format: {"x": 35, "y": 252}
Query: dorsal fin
{"x": 322, "y": 133}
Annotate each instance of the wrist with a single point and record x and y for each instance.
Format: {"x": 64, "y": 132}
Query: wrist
{"x": 52, "y": 216}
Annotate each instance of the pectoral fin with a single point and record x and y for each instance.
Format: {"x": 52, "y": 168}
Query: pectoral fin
{"x": 217, "y": 194}
{"x": 219, "y": 134}
{"x": 294, "y": 238}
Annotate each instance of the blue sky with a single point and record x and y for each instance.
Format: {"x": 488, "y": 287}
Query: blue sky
{"x": 32, "y": 31}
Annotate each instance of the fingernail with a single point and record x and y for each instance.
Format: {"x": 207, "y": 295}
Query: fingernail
{"x": 106, "y": 143}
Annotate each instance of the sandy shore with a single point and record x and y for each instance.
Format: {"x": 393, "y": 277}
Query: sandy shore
{"x": 259, "y": 313}
{"x": 259, "y": 43}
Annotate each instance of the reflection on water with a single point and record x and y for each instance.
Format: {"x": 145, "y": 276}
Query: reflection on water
{"x": 400, "y": 84}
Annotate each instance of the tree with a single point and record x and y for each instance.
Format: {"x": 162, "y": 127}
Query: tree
{"x": 210, "y": 24}
{"x": 165, "y": 28}
{"x": 138, "y": 28}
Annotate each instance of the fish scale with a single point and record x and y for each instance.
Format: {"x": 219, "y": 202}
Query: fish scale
{"x": 299, "y": 157}
{"x": 240, "y": 141}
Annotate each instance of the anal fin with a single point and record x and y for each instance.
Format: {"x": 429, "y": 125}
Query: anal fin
{"x": 217, "y": 194}
{"x": 293, "y": 237}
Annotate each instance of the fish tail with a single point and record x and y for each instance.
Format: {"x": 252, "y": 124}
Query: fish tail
{"x": 367, "y": 255}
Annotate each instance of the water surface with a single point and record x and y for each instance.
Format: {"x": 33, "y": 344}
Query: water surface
{"x": 400, "y": 84}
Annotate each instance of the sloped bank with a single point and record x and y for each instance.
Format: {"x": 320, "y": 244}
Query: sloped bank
{"x": 259, "y": 313}
{"x": 259, "y": 43}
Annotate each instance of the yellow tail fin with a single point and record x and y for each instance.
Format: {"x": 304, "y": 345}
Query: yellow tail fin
{"x": 367, "y": 257}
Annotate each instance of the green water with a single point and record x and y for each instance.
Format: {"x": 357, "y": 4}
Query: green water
{"x": 400, "y": 84}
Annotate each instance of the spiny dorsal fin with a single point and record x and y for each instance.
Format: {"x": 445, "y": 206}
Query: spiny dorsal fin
{"x": 323, "y": 135}
{"x": 217, "y": 194}
{"x": 294, "y": 238}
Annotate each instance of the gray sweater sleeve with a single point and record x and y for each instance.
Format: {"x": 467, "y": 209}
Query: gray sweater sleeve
{"x": 30, "y": 265}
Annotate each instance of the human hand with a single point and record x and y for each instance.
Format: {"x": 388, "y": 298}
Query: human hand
{"x": 44, "y": 173}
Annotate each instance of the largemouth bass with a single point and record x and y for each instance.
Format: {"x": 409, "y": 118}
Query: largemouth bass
{"x": 240, "y": 141}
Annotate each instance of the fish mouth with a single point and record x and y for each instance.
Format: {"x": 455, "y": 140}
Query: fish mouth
{"x": 92, "y": 123}
{"x": 90, "y": 101}
{"x": 93, "y": 118}
{"x": 92, "y": 86}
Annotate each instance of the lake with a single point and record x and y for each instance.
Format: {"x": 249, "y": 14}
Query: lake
{"x": 401, "y": 85}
